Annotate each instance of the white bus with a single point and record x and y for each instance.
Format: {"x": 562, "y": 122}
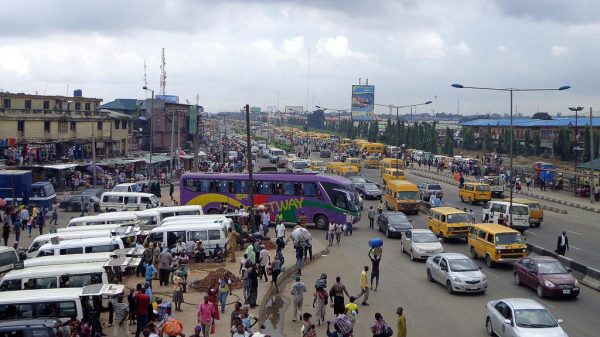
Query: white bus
{"x": 83, "y": 246}
{"x": 210, "y": 234}
{"x": 67, "y": 259}
{"x": 41, "y": 240}
{"x": 207, "y": 218}
{"x": 75, "y": 275}
{"x": 127, "y": 201}
{"x": 104, "y": 219}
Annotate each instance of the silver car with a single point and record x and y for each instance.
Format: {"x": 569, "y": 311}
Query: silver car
{"x": 420, "y": 243}
{"x": 457, "y": 272}
{"x": 521, "y": 317}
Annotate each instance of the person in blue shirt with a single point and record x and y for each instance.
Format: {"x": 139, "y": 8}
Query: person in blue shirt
{"x": 150, "y": 272}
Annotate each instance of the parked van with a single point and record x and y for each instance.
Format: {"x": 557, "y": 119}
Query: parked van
{"x": 297, "y": 165}
{"x": 536, "y": 210}
{"x": 125, "y": 187}
{"x": 394, "y": 163}
{"x": 475, "y": 192}
{"x": 75, "y": 275}
{"x": 392, "y": 174}
{"x": 104, "y": 219}
{"x": 148, "y": 219}
{"x": 83, "y": 246}
{"x": 517, "y": 219}
{"x": 449, "y": 223}
{"x": 372, "y": 162}
{"x": 209, "y": 234}
{"x": 341, "y": 169}
{"x": 43, "y": 239}
{"x": 496, "y": 244}
{"x": 352, "y": 161}
{"x": 222, "y": 219}
{"x": 8, "y": 258}
{"x": 401, "y": 195}
{"x": 372, "y": 148}
{"x": 127, "y": 201}
{"x": 59, "y": 303}
{"x": 67, "y": 259}
{"x": 166, "y": 212}
{"x": 73, "y": 229}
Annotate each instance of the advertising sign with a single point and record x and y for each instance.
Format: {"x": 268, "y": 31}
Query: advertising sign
{"x": 363, "y": 102}
{"x": 193, "y": 120}
{"x": 294, "y": 109}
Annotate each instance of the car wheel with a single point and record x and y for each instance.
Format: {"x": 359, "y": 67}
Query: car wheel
{"x": 449, "y": 287}
{"x": 488, "y": 261}
{"x": 462, "y": 199}
{"x": 429, "y": 277}
{"x": 473, "y": 253}
{"x": 69, "y": 208}
{"x": 412, "y": 256}
{"x": 212, "y": 211}
{"x": 517, "y": 279}
{"x": 441, "y": 236}
{"x": 321, "y": 222}
{"x": 488, "y": 327}
{"x": 540, "y": 291}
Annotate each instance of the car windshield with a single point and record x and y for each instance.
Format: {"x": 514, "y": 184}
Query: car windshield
{"x": 482, "y": 188}
{"x": 534, "y": 318}
{"x": 407, "y": 195}
{"x": 462, "y": 265}
{"x": 553, "y": 267}
{"x": 458, "y": 217}
{"x": 300, "y": 164}
{"x": 434, "y": 187}
{"x": 508, "y": 238}
{"x": 371, "y": 187}
{"x": 424, "y": 238}
{"x": 397, "y": 218}
{"x": 520, "y": 210}
{"x": 358, "y": 179}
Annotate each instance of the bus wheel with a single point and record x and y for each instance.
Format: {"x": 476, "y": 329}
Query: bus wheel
{"x": 321, "y": 222}
{"x": 212, "y": 211}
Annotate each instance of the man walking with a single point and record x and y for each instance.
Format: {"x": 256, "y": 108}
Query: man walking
{"x": 364, "y": 286}
{"x": 401, "y": 325}
{"x": 374, "y": 269}
{"x": 6, "y": 220}
{"x": 280, "y": 229}
{"x": 121, "y": 311}
{"x": 349, "y": 219}
{"x": 164, "y": 264}
{"x": 298, "y": 290}
{"x": 562, "y": 245}
{"x": 141, "y": 309}
{"x": 54, "y": 218}
{"x": 371, "y": 216}
{"x": 232, "y": 241}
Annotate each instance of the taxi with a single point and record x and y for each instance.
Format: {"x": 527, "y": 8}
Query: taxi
{"x": 354, "y": 162}
{"x": 449, "y": 223}
{"x": 392, "y": 174}
{"x": 496, "y": 244}
{"x": 372, "y": 162}
{"x": 401, "y": 196}
{"x": 475, "y": 192}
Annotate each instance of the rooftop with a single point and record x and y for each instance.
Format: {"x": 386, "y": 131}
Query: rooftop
{"x": 528, "y": 122}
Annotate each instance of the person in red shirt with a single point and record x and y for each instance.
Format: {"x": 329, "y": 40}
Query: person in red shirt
{"x": 141, "y": 309}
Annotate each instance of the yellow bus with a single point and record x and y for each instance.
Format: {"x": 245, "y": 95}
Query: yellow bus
{"x": 392, "y": 174}
{"x": 387, "y": 163}
{"x": 401, "y": 195}
{"x": 341, "y": 169}
{"x": 353, "y": 162}
{"x": 372, "y": 162}
{"x": 372, "y": 148}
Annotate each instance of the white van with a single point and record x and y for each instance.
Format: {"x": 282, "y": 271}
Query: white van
{"x": 166, "y": 212}
{"x": 41, "y": 240}
{"x": 83, "y": 246}
{"x": 75, "y": 275}
{"x": 221, "y": 219}
{"x": 67, "y": 259}
{"x": 298, "y": 165}
{"x": 209, "y": 234}
{"x": 125, "y": 187}
{"x": 127, "y": 201}
{"x": 148, "y": 218}
{"x": 41, "y": 303}
{"x": 73, "y": 229}
{"x": 520, "y": 214}
{"x": 105, "y": 219}
{"x": 8, "y": 258}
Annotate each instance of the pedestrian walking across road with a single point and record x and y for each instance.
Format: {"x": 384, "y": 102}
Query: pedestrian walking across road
{"x": 364, "y": 286}
{"x": 375, "y": 260}
{"x": 371, "y": 216}
{"x": 298, "y": 290}
{"x": 401, "y": 325}
{"x": 336, "y": 294}
{"x": 562, "y": 244}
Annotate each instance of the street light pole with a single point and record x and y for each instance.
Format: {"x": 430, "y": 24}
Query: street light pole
{"x": 592, "y": 183}
{"x": 577, "y": 109}
{"x": 511, "y": 90}
{"x": 150, "y": 170}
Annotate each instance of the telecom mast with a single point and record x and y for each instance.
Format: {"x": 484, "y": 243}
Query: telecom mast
{"x": 163, "y": 74}
{"x": 145, "y": 79}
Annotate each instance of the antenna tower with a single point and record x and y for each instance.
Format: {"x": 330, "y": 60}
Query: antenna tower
{"x": 145, "y": 79}
{"x": 163, "y": 74}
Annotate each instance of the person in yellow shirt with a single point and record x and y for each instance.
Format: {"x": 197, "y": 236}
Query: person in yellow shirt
{"x": 352, "y": 310}
{"x": 401, "y": 326}
{"x": 364, "y": 286}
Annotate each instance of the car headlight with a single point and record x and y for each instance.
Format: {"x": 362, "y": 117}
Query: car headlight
{"x": 549, "y": 284}
{"x": 456, "y": 279}
{"x": 417, "y": 249}
{"x": 392, "y": 229}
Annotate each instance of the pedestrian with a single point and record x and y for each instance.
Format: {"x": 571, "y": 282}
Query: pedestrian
{"x": 528, "y": 182}
{"x": 349, "y": 219}
{"x": 336, "y": 294}
{"x": 471, "y": 216}
{"x": 235, "y": 314}
{"x": 380, "y": 207}
{"x": 90, "y": 207}
{"x": 320, "y": 303}
{"x": 6, "y": 221}
{"x": 302, "y": 219}
{"x": 141, "y": 309}
{"x": 30, "y": 225}
{"x": 171, "y": 189}
{"x": 121, "y": 311}
{"x": 24, "y": 214}
{"x": 338, "y": 233}
{"x": 364, "y": 286}
{"x": 232, "y": 241}
{"x": 298, "y": 290}
{"x": 308, "y": 249}
{"x": 331, "y": 233}
{"x": 165, "y": 258}
{"x": 253, "y": 278}
{"x": 178, "y": 283}
{"x": 206, "y": 311}
{"x": 251, "y": 254}
{"x": 299, "y": 256}
{"x": 240, "y": 331}
{"x": 275, "y": 271}
{"x": 379, "y": 328}
{"x": 401, "y": 325}
{"x": 371, "y": 216}
{"x": 264, "y": 259}
{"x": 352, "y": 310}
{"x": 54, "y": 210}
{"x": 501, "y": 219}
{"x": 308, "y": 328}
{"x": 224, "y": 290}
{"x": 562, "y": 244}
{"x": 150, "y": 272}
{"x": 248, "y": 320}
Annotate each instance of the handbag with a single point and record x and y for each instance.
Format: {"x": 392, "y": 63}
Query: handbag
{"x": 269, "y": 271}
{"x": 387, "y": 331}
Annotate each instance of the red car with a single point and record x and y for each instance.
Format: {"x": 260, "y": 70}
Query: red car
{"x": 546, "y": 275}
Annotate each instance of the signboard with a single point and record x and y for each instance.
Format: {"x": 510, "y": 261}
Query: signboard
{"x": 294, "y": 109}
{"x": 255, "y": 109}
{"x": 193, "y": 120}
{"x": 363, "y": 102}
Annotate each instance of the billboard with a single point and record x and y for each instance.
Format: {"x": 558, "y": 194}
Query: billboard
{"x": 363, "y": 102}
{"x": 294, "y": 109}
{"x": 255, "y": 109}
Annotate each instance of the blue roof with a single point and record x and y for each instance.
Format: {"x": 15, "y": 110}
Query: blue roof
{"x": 527, "y": 122}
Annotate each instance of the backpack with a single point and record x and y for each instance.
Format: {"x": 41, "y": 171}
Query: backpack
{"x": 344, "y": 323}
{"x": 172, "y": 327}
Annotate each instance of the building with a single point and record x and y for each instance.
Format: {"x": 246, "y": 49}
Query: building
{"x": 44, "y": 127}
{"x": 171, "y": 127}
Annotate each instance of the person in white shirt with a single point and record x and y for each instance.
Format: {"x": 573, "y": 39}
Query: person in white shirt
{"x": 280, "y": 229}
{"x": 240, "y": 331}
{"x": 264, "y": 261}
{"x": 265, "y": 217}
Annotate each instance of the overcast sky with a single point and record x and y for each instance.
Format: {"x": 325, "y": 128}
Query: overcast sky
{"x": 235, "y": 52}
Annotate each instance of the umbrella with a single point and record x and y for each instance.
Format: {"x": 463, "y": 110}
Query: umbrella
{"x": 98, "y": 168}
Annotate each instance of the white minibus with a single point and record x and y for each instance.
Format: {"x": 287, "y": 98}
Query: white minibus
{"x": 75, "y": 275}
{"x": 104, "y": 219}
{"x": 83, "y": 246}
{"x": 67, "y": 259}
{"x": 8, "y": 258}
{"x": 209, "y": 234}
{"x": 207, "y": 218}
{"x": 127, "y": 201}
{"x": 166, "y": 212}
{"x": 43, "y": 239}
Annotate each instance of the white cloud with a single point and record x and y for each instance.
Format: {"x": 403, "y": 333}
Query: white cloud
{"x": 559, "y": 51}
{"x": 424, "y": 45}
{"x": 462, "y": 48}
{"x": 293, "y": 45}
{"x": 501, "y": 48}
{"x": 337, "y": 47}
{"x": 13, "y": 60}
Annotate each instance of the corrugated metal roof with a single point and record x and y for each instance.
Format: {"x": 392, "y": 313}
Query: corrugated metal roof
{"x": 527, "y": 122}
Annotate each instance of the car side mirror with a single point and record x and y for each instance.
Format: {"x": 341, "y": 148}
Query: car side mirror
{"x": 507, "y": 322}
{"x": 439, "y": 239}
{"x": 559, "y": 321}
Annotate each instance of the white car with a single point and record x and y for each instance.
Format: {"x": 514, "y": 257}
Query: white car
{"x": 457, "y": 272}
{"x": 521, "y": 317}
{"x": 420, "y": 243}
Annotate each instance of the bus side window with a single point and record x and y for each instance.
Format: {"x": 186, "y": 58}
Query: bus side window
{"x": 310, "y": 189}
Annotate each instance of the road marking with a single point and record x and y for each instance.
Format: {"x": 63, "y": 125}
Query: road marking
{"x": 575, "y": 233}
{"x": 532, "y": 233}
{"x": 571, "y": 246}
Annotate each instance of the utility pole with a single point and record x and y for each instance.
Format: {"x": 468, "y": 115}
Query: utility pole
{"x": 197, "y": 139}
{"x": 172, "y": 140}
{"x": 250, "y": 168}
{"x": 94, "y": 153}
{"x": 592, "y": 183}
{"x": 178, "y": 142}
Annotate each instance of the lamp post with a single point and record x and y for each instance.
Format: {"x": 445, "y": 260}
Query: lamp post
{"x": 150, "y": 170}
{"x": 511, "y": 90}
{"x": 577, "y": 109}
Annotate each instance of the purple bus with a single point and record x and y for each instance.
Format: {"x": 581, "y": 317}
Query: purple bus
{"x": 323, "y": 198}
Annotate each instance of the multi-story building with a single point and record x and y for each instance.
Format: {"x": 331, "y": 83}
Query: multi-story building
{"x": 45, "y": 127}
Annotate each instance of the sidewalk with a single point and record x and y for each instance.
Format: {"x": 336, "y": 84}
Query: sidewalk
{"x": 559, "y": 197}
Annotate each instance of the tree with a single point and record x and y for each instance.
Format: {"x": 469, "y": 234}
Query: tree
{"x": 537, "y": 143}
{"x": 527, "y": 150}
{"x": 449, "y": 143}
{"x": 316, "y": 119}
{"x": 562, "y": 144}
{"x": 468, "y": 139}
{"x": 487, "y": 140}
{"x": 541, "y": 115}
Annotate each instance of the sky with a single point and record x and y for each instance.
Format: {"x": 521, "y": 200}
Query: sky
{"x": 308, "y": 52}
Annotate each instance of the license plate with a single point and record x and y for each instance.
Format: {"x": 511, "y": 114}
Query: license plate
{"x": 566, "y": 291}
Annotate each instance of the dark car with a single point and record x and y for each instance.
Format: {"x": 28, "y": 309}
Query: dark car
{"x": 393, "y": 224}
{"x": 369, "y": 191}
{"x": 73, "y": 204}
{"x": 428, "y": 188}
{"x": 546, "y": 275}
{"x": 358, "y": 180}
{"x": 325, "y": 153}
{"x": 95, "y": 192}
